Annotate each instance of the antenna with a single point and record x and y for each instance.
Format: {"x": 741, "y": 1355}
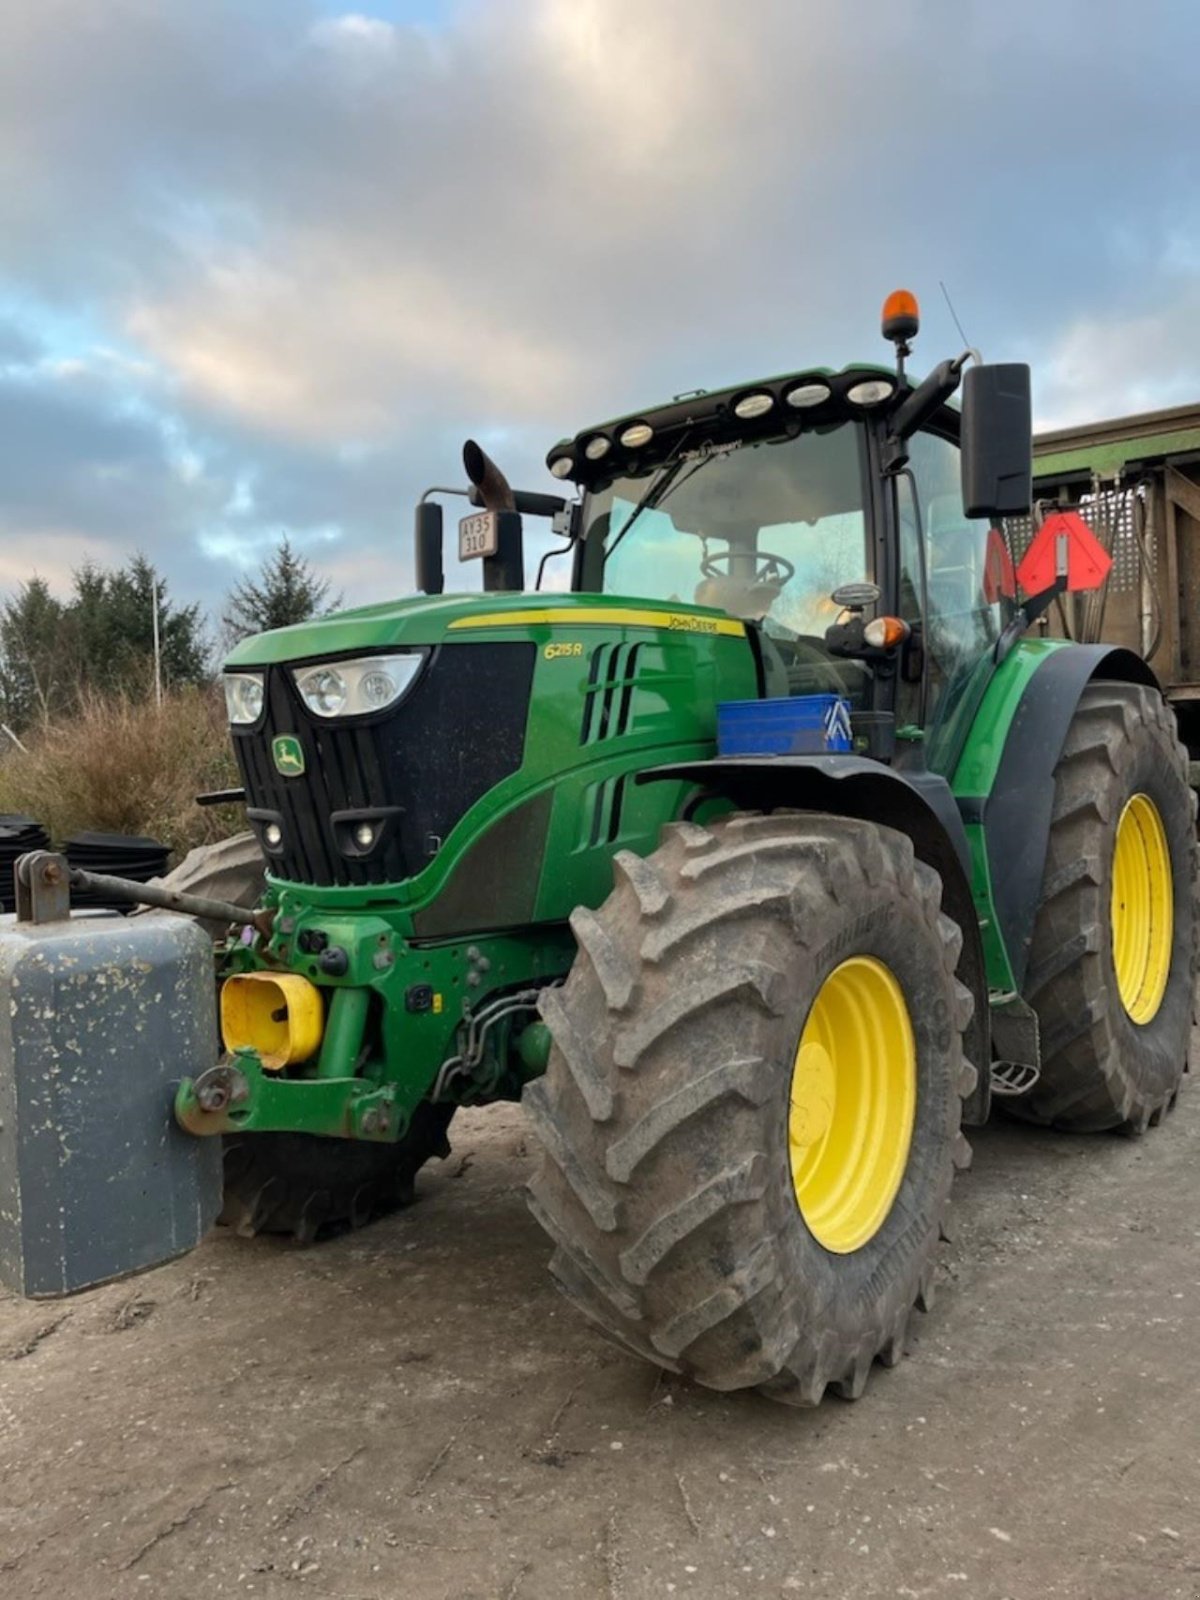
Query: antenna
{"x": 954, "y": 314}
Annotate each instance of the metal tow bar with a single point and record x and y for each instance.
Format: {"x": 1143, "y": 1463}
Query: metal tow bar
{"x": 44, "y": 880}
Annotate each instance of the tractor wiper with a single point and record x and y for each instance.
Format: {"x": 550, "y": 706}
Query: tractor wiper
{"x": 671, "y": 475}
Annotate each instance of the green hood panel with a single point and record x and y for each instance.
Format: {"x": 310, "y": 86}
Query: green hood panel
{"x": 429, "y": 619}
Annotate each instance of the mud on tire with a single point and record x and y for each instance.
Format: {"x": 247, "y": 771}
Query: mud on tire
{"x": 1100, "y": 1069}
{"x": 665, "y": 1182}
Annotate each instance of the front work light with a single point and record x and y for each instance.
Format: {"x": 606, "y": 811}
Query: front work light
{"x": 354, "y": 688}
{"x": 808, "y": 394}
{"x": 597, "y": 447}
{"x": 636, "y": 435}
{"x": 753, "y": 405}
{"x": 871, "y": 392}
{"x": 244, "y": 694}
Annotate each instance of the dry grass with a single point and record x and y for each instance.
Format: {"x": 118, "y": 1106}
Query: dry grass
{"x": 125, "y": 766}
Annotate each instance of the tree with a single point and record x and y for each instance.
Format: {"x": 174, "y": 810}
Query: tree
{"x": 32, "y": 665}
{"x": 112, "y": 617}
{"x": 286, "y": 590}
{"x": 53, "y": 653}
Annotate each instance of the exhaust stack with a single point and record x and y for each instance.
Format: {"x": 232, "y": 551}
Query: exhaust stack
{"x": 505, "y": 570}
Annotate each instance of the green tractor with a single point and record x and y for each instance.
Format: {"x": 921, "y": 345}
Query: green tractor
{"x": 754, "y": 865}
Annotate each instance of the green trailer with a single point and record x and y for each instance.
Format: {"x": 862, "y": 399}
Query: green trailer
{"x": 1137, "y": 480}
{"x": 755, "y": 865}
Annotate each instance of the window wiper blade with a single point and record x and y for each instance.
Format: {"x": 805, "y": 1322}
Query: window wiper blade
{"x": 671, "y": 475}
{"x": 654, "y": 493}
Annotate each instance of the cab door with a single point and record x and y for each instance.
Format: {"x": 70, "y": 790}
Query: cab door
{"x": 947, "y": 595}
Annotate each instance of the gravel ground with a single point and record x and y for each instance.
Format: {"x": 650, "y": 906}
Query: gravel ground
{"x": 412, "y": 1412}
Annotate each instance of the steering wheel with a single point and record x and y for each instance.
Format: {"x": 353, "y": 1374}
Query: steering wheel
{"x": 768, "y": 568}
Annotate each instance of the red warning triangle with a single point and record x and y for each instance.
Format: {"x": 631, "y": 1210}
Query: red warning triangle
{"x": 998, "y": 575}
{"x": 1087, "y": 561}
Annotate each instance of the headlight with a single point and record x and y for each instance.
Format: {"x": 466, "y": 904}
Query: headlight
{"x": 324, "y": 691}
{"x": 243, "y": 696}
{"x": 353, "y": 688}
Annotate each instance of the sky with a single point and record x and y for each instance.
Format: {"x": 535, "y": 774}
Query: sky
{"x": 265, "y": 264}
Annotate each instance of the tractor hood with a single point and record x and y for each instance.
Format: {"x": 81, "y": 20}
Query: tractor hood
{"x": 428, "y": 620}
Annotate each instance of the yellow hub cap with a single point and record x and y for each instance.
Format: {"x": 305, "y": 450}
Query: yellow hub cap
{"x": 1142, "y": 909}
{"x": 853, "y": 1100}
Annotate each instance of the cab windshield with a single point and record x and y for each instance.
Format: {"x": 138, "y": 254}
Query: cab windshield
{"x": 764, "y": 531}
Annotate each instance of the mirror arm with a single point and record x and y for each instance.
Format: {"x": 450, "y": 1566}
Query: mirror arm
{"x": 925, "y": 399}
{"x": 1026, "y": 615}
{"x": 527, "y": 501}
{"x": 919, "y": 406}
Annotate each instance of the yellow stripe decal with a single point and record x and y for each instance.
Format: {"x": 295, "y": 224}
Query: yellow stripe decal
{"x": 599, "y": 617}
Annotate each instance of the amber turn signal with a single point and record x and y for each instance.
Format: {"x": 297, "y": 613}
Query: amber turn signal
{"x": 901, "y": 316}
{"x": 885, "y": 633}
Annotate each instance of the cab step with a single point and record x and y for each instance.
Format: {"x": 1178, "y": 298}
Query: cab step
{"x": 1012, "y": 1078}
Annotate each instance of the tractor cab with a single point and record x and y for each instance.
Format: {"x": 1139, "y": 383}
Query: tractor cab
{"x": 827, "y": 511}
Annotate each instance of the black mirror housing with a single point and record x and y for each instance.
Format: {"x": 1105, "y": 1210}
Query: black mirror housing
{"x": 997, "y": 440}
{"x": 430, "y": 568}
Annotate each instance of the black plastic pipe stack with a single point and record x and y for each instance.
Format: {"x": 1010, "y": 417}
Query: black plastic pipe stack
{"x": 120, "y": 856}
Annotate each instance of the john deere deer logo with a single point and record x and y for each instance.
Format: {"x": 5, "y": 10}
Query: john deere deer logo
{"x": 289, "y": 755}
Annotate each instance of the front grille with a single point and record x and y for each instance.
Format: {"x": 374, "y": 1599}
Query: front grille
{"x": 420, "y": 765}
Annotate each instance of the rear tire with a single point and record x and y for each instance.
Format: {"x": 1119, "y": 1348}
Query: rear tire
{"x": 1100, "y": 1068}
{"x": 666, "y": 1181}
{"x": 298, "y": 1183}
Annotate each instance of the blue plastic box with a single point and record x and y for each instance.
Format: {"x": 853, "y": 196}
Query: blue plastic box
{"x": 796, "y": 725}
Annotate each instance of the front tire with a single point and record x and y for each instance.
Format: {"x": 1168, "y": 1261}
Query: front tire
{"x": 679, "y": 1182}
{"x": 1112, "y": 963}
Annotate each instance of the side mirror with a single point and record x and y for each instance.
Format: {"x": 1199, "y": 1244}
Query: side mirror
{"x": 997, "y": 441}
{"x": 431, "y": 576}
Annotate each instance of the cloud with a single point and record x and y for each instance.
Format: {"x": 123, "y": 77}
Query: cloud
{"x": 272, "y": 263}
{"x": 344, "y": 349}
{"x": 54, "y": 554}
{"x": 1102, "y": 368}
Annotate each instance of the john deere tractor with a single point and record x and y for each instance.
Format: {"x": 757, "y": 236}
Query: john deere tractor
{"x": 755, "y": 865}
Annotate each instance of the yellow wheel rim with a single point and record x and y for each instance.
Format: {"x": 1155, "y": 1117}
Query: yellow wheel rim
{"x": 852, "y": 1104}
{"x": 1142, "y": 909}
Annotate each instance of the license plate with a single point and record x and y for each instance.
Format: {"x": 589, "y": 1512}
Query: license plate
{"x": 478, "y": 535}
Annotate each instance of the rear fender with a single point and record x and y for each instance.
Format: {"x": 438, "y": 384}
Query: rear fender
{"x": 1004, "y": 787}
{"x": 919, "y": 804}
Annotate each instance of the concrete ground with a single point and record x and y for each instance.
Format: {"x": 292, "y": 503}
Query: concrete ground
{"x": 412, "y": 1412}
